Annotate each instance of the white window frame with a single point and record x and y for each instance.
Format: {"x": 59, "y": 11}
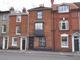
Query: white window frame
{"x": 42, "y": 42}
{"x": 64, "y": 35}
{"x": 17, "y": 27}
{"x": 38, "y": 26}
{"x": 18, "y": 18}
{"x": 14, "y": 43}
{"x": 39, "y": 14}
{"x": 63, "y": 9}
{"x": 3, "y": 29}
{"x": 66, "y": 24}
{"x": 4, "y": 17}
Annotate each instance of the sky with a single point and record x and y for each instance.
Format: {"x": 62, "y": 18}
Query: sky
{"x": 28, "y": 4}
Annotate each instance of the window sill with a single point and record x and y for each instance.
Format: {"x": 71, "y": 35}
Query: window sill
{"x": 3, "y": 32}
{"x": 18, "y": 34}
{"x": 64, "y": 46}
{"x": 14, "y": 45}
{"x": 64, "y": 29}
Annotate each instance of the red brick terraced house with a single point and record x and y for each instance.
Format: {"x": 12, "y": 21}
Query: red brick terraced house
{"x": 66, "y": 26}
{"x": 18, "y": 29}
{"x": 40, "y": 28}
{"x": 43, "y": 28}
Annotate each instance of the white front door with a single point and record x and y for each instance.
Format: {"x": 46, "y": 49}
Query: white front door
{"x": 23, "y": 43}
{"x": 5, "y": 43}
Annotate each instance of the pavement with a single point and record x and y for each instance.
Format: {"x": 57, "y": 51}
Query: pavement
{"x": 41, "y": 52}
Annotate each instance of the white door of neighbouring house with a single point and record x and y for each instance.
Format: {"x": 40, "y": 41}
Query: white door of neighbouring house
{"x": 76, "y": 42}
{"x": 23, "y": 43}
{"x": 5, "y": 43}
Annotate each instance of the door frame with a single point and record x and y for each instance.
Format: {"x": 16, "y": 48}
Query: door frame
{"x": 30, "y": 39}
{"x": 73, "y": 47}
{"x": 26, "y": 43}
{"x": 3, "y": 45}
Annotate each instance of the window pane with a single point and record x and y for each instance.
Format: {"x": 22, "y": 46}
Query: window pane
{"x": 14, "y": 41}
{"x": 39, "y": 15}
{"x": 18, "y": 29}
{"x": 63, "y": 26}
{"x": 63, "y": 9}
{"x": 64, "y": 41}
{"x": 18, "y": 19}
{"x": 3, "y": 28}
{"x": 38, "y": 26}
{"x": 5, "y": 17}
{"x": 42, "y": 42}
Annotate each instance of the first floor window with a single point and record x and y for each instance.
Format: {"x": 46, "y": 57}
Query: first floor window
{"x": 4, "y": 29}
{"x": 64, "y": 25}
{"x": 18, "y": 30}
{"x": 14, "y": 41}
{"x": 38, "y": 26}
{"x": 42, "y": 42}
{"x": 64, "y": 41}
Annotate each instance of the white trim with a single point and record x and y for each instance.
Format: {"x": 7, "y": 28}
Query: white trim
{"x": 3, "y": 46}
{"x": 63, "y": 9}
{"x": 73, "y": 49}
{"x": 26, "y": 43}
{"x": 13, "y": 41}
{"x": 18, "y": 18}
{"x": 3, "y": 28}
{"x": 17, "y": 28}
{"x": 66, "y": 24}
{"x": 39, "y": 14}
{"x": 72, "y": 43}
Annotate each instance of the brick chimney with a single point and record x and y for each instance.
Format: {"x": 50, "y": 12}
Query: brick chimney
{"x": 24, "y": 10}
{"x": 52, "y": 2}
{"x": 41, "y": 5}
{"x": 12, "y": 10}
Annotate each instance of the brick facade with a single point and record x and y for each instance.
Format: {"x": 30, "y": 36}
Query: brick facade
{"x": 41, "y": 28}
{"x": 47, "y": 20}
{"x": 12, "y": 29}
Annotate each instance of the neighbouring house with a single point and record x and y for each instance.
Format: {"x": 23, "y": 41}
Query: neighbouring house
{"x": 40, "y": 28}
{"x": 4, "y": 29}
{"x": 55, "y": 28}
{"x": 66, "y": 22}
{"x": 18, "y": 29}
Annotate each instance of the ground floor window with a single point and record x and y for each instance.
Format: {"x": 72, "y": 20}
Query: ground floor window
{"x": 42, "y": 42}
{"x": 14, "y": 41}
{"x": 64, "y": 40}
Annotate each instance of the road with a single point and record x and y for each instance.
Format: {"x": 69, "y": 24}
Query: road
{"x": 33, "y": 56}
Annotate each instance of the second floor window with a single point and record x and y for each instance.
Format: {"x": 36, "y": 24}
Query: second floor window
{"x": 38, "y": 26}
{"x": 5, "y": 17}
{"x": 18, "y": 30}
{"x": 63, "y": 9}
{"x": 64, "y": 25}
{"x": 4, "y": 29}
{"x": 39, "y": 15}
{"x": 18, "y": 18}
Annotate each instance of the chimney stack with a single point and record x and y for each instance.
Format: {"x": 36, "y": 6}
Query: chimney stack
{"x": 12, "y": 10}
{"x": 24, "y": 10}
{"x": 41, "y": 5}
